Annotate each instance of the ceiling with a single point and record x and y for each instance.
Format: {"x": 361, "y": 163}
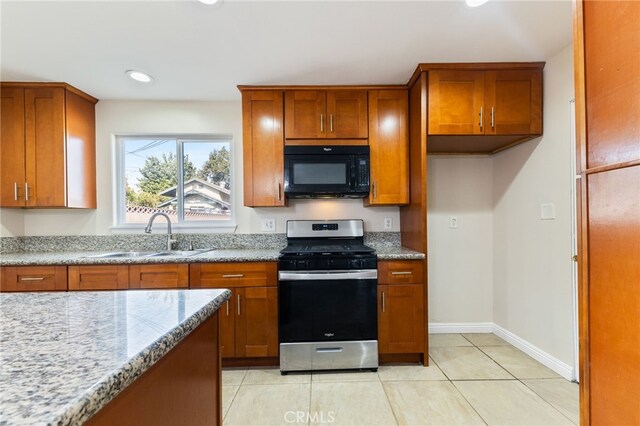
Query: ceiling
{"x": 196, "y": 52}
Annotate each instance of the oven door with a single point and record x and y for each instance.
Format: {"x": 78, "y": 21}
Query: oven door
{"x": 325, "y": 306}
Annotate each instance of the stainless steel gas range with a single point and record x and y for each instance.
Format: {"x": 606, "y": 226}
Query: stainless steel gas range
{"x": 327, "y": 297}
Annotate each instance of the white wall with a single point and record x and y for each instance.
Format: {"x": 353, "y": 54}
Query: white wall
{"x": 122, "y": 117}
{"x": 461, "y": 259}
{"x": 532, "y": 294}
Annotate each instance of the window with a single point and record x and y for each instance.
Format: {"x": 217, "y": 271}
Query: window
{"x": 187, "y": 178}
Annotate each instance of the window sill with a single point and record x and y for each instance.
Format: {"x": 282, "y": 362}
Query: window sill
{"x": 159, "y": 228}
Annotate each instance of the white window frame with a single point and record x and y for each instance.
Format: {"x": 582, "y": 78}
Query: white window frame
{"x": 181, "y": 226}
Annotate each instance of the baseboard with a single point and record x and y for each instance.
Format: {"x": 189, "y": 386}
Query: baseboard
{"x": 534, "y": 352}
{"x": 461, "y": 327}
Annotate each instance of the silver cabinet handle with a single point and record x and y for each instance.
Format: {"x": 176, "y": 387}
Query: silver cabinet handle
{"x": 401, "y": 273}
{"x": 492, "y": 115}
{"x": 238, "y": 305}
{"x": 322, "y": 122}
{"x": 233, "y": 276}
{"x": 383, "y": 306}
{"x": 481, "y": 118}
{"x": 375, "y": 190}
{"x": 227, "y": 308}
{"x": 15, "y": 191}
{"x": 331, "y": 123}
{"x": 26, "y": 191}
{"x": 279, "y": 191}
{"x": 31, "y": 278}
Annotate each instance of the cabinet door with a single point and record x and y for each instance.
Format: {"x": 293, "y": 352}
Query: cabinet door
{"x": 389, "y": 145}
{"x": 513, "y": 102}
{"x": 151, "y": 276}
{"x": 400, "y": 319}
{"x": 34, "y": 278}
{"x": 347, "y": 114}
{"x": 456, "y": 102}
{"x": 228, "y": 327}
{"x": 263, "y": 148}
{"x": 256, "y": 322}
{"x": 305, "y": 114}
{"x": 12, "y": 177}
{"x": 98, "y": 277}
{"x": 45, "y": 147}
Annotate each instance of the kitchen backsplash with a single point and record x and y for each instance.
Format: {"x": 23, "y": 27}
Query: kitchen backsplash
{"x": 144, "y": 242}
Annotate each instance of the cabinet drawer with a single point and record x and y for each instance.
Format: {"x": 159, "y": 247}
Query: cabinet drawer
{"x": 233, "y": 274}
{"x": 159, "y": 276}
{"x": 34, "y": 278}
{"x": 401, "y": 272}
{"x": 103, "y": 277}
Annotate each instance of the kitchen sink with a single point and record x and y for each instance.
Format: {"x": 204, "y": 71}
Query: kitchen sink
{"x": 139, "y": 254}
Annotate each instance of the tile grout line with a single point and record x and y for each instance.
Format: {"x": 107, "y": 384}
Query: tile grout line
{"x": 395, "y": 418}
{"x": 542, "y": 398}
{"x": 497, "y": 363}
{"x": 468, "y": 402}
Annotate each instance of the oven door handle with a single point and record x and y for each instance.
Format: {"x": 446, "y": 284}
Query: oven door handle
{"x": 367, "y": 274}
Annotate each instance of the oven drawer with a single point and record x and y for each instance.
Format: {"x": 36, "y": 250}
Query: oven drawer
{"x": 233, "y": 274}
{"x": 401, "y": 272}
{"x": 328, "y": 355}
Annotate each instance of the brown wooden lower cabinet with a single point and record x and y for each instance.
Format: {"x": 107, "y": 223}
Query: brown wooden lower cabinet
{"x": 402, "y": 325}
{"x": 151, "y": 276}
{"x": 257, "y": 322}
{"x": 400, "y": 319}
{"x": 98, "y": 277}
{"x": 33, "y": 278}
{"x": 182, "y": 388}
{"x": 249, "y": 320}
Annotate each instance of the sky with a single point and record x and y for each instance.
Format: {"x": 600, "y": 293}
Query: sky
{"x": 138, "y": 150}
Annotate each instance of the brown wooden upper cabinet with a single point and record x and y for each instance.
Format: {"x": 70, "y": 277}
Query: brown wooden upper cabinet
{"x": 48, "y": 146}
{"x": 325, "y": 114}
{"x": 389, "y": 147}
{"x": 263, "y": 148}
{"x": 496, "y": 102}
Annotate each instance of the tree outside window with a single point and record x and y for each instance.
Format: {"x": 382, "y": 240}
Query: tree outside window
{"x": 152, "y": 181}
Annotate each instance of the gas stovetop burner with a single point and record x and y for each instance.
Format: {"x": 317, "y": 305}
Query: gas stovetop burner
{"x": 338, "y": 237}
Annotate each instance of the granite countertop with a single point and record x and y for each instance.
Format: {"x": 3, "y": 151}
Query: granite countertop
{"x": 236, "y": 255}
{"x": 63, "y": 356}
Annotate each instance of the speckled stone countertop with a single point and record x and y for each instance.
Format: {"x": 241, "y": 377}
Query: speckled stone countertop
{"x": 63, "y": 356}
{"x": 238, "y": 255}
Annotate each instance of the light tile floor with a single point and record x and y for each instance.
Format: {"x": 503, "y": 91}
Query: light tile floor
{"x": 473, "y": 379}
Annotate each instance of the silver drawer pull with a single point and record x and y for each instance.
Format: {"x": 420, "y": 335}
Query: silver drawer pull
{"x": 329, "y": 350}
{"x": 31, "y": 278}
{"x": 233, "y": 276}
{"x": 238, "y": 299}
{"x": 402, "y": 273}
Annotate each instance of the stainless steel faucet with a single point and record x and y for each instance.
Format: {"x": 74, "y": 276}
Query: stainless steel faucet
{"x": 170, "y": 240}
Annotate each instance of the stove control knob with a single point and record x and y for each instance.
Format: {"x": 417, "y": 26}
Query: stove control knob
{"x": 355, "y": 264}
{"x": 302, "y": 265}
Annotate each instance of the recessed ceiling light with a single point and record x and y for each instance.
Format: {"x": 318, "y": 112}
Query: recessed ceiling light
{"x": 475, "y": 3}
{"x": 139, "y": 76}
{"x": 210, "y": 2}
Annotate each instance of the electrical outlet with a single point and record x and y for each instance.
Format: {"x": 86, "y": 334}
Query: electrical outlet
{"x": 269, "y": 225}
{"x": 453, "y": 222}
{"x": 388, "y": 223}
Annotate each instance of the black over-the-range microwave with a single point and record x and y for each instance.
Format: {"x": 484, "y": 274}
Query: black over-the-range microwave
{"x": 326, "y": 171}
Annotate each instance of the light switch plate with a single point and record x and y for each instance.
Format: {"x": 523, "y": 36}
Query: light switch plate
{"x": 268, "y": 225}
